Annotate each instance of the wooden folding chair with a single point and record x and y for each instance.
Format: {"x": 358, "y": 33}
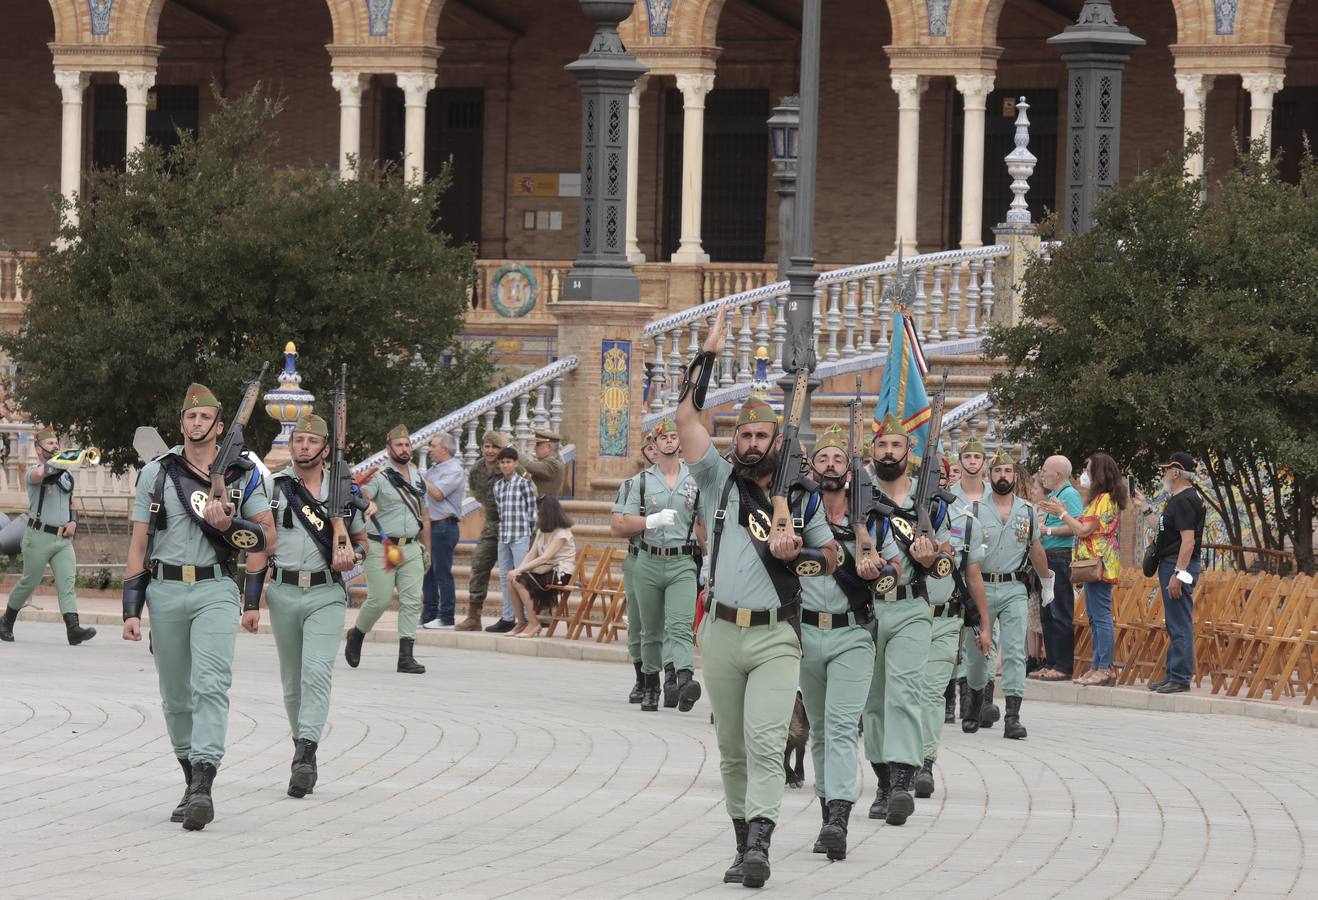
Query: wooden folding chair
{"x": 595, "y": 596}
{"x": 1278, "y": 650}
{"x": 586, "y": 569}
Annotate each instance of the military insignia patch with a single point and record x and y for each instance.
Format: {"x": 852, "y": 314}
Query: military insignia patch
{"x": 199, "y": 500}
{"x": 902, "y": 527}
{"x": 809, "y": 568}
{"x": 758, "y": 523}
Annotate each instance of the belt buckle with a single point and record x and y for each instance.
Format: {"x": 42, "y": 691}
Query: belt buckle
{"x": 825, "y": 621}
{"x": 189, "y": 574}
{"x": 890, "y": 597}
{"x": 304, "y": 580}
{"x": 743, "y": 618}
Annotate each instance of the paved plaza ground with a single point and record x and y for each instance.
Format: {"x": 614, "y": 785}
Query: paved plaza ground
{"x": 499, "y": 775}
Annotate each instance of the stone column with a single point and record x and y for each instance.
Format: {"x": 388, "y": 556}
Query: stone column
{"x": 137, "y": 83}
{"x": 693, "y": 88}
{"x": 908, "y": 88}
{"x": 634, "y": 254}
{"x": 975, "y": 89}
{"x": 1262, "y": 87}
{"x": 350, "y": 86}
{"x": 71, "y": 84}
{"x": 1194, "y": 88}
{"x": 415, "y": 85}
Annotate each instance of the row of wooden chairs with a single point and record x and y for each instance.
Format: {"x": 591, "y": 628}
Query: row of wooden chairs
{"x": 1253, "y": 633}
{"x": 593, "y": 601}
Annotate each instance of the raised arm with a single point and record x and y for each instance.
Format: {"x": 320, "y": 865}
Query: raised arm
{"x": 695, "y": 439}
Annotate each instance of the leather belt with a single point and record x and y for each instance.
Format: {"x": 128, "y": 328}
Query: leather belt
{"x": 828, "y": 621}
{"x": 443, "y": 520}
{"x": 302, "y": 579}
{"x": 48, "y": 529}
{"x": 188, "y": 574}
{"x": 747, "y": 618}
{"x": 685, "y": 550}
{"x": 400, "y": 542}
{"x": 1001, "y": 578}
{"x": 905, "y": 592}
{"x": 952, "y": 608}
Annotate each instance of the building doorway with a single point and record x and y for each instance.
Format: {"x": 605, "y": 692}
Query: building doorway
{"x": 170, "y": 107}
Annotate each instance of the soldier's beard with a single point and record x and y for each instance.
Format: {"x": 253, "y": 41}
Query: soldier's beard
{"x": 756, "y": 467}
{"x": 890, "y": 471}
{"x": 1002, "y": 486}
{"x": 401, "y": 460}
{"x": 831, "y": 484}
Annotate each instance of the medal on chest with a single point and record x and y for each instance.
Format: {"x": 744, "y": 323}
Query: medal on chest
{"x": 1021, "y": 527}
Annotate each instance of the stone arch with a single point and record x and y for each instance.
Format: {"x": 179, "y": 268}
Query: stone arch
{"x": 68, "y": 15}
{"x": 417, "y": 21}
{"x": 343, "y": 19}
{"x": 1263, "y": 22}
{"x": 974, "y": 23}
{"x": 909, "y": 20}
{"x": 1193, "y": 21}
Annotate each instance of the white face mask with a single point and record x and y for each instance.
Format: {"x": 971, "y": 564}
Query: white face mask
{"x": 1085, "y": 482}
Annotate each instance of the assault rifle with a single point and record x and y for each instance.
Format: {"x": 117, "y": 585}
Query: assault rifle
{"x": 342, "y": 498}
{"x": 791, "y": 463}
{"x": 860, "y": 494}
{"x": 242, "y": 534}
{"x": 926, "y": 483}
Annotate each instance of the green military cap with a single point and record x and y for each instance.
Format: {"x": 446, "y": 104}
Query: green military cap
{"x": 869, "y": 445}
{"x": 544, "y": 434}
{"x": 494, "y": 439}
{"x": 755, "y": 411}
{"x": 891, "y": 425}
{"x": 311, "y": 424}
{"x": 45, "y": 433}
{"x": 833, "y": 436}
{"x": 398, "y": 432}
{"x": 666, "y": 425}
{"x": 972, "y": 445}
{"x": 1002, "y": 458}
{"x": 648, "y": 438}
{"x": 197, "y": 396}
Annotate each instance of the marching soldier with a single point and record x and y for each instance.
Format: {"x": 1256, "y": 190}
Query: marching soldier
{"x": 1007, "y": 524}
{"x": 480, "y": 483}
{"x": 399, "y": 491}
{"x": 307, "y": 597}
{"x": 180, "y": 567}
{"x": 837, "y": 651}
{"x": 971, "y": 490}
{"x": 659, "y": 516}
{"x": 748, "y": 635}
{"x": 547, "y": 469}
{"x": 893, "y": 729}
{"x": 48, "y": 541}
{"x": 648, "y": 455}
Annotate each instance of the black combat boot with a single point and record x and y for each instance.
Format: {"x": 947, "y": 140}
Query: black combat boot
{"x": 688, "y": 690}
{"x": 7, "y": 624}
{"x": 964, "y": 688}
{"x": 988, "y": 712}
{"x": 900, "y": 802}
{"x": 352, "y": 647}
{"x": 75, "y": 632}
{"x": 949, "y": 703}
{"x": 177, "y": 814}
{"x": 879, "y": 808}
{"x": 834, "y": 835}
{"x": 734, "y": 873}
{"x": 971, "y": 700}
{"x": 670, "y": 686}
{"x": 200, "y": 809}
{"x": 924, "y": 780}
{"x": 638, "y": 689}
{"x": 1011, "y": 724}
{"x": 406, "y": 664}
{"x": 755, "y": 864}
{"x": 820, "y": 847}
{"x": 650, "y": 699}
{"x": 303, "y": 779}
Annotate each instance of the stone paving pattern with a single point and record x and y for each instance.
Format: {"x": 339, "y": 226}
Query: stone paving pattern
{"x": 499, "y": 775}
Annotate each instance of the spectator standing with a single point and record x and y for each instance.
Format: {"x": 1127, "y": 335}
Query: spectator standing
{"x": 1096, "y": 538}
{"x": 550, "y": 561}
{"x": 446, "y": 487}
{"x": 515, "y": 499}
{"x": 547, "y": 469}
{"x": 480, "y": 481}
{"x": 1177, "y": 549}
{"x": 1058, "y": 541}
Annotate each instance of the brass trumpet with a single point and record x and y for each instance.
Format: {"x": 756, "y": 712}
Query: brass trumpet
{"x": 74, "y": 458}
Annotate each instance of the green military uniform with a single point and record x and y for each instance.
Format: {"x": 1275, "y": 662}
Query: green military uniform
{"x": 50, "y": 509}
{"x": 400, "y": 517}
{"x": 192, "y": 600}
{"x": 480, "y": 484}
{"x": 546, "y": 474}
{"x": 752, "y": 671}
{"x": 307, "y": 601}
{"x": 629, "y": 591}
{"x": 837, "y": 663}
{"x": 1006, "y": 548}
{"x": 663, "y": 573}
{"x": 968, "y": 645}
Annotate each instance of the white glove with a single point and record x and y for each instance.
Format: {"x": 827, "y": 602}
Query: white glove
{"x": 1046, "y": 589}
{"x": 661, "y": 519}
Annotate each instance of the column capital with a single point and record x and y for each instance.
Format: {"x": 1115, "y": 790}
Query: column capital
{"x": 694, "y": 87}
{"x": 1263, "y": 82}
{"x": 72, "y": 82}
{"x": 415, "y": 85}
{"x": 1195, "y": 87}
{"x": 350, "y": 85}
{"x": 642, "y": 82}
{"x": 908, "y": 89}
{"x": 136, "y": 83}
{"x": 975, "y": 89}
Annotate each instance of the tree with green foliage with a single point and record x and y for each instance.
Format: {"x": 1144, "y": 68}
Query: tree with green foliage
{"x": 1176, "y": 323}
{"x": 200, "y": 263}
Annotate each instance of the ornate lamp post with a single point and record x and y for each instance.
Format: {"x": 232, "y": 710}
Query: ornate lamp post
{"x": 784, "y": 127}
{"x": 285, "y": 404}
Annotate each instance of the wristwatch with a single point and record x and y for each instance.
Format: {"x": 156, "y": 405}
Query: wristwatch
{"x": 1048, "y": 531}
{"x": 1184, "y": 577}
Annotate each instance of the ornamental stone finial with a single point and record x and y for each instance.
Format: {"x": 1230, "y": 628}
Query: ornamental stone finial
{"x": 1020, "y": 166}
{"x": 286, "y": 404}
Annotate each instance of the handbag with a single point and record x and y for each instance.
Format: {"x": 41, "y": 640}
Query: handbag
{"x": 1150, "y": 562}
{"x": 1086, "y": 571}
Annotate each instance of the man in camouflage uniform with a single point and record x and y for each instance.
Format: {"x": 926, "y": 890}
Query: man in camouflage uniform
{"x": 480, "y": 484}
